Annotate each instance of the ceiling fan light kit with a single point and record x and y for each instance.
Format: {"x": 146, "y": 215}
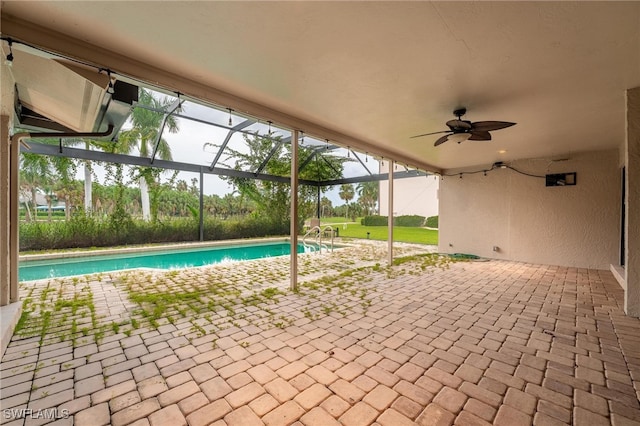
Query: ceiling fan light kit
{"x": 459, "y": 137}
{"x": 462, "y": 130}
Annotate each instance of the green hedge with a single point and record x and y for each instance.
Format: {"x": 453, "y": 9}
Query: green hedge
{"x": 432, "y": 222}
{"x": 42, "y": 213}
{"x": 86, "y": 231}
{"x": 409, "y": 220}
{"x": 374, "y": 221}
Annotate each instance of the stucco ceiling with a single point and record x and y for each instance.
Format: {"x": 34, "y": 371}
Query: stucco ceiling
{"x": 384, "y": 71}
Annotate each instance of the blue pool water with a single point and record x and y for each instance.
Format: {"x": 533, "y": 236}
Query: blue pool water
{"x": 169, "y": 259}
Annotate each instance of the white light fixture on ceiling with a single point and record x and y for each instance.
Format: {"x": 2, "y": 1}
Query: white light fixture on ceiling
{"x": 459, "y": 137}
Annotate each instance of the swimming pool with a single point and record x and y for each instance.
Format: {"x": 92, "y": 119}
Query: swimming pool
{"x": 163, "y": 259}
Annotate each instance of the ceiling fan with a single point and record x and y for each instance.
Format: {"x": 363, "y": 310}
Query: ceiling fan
{"x": 462, "y": 130}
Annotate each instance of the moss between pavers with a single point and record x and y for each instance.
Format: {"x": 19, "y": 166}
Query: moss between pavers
{"x": 202, "y": 301}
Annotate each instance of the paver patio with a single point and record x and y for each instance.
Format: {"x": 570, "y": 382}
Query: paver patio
{"x": 424, "y": 342}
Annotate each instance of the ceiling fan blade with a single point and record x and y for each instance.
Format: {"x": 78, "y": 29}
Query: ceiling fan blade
{"x": 459, "y": 125}
{"x": 441, "y": 140}
{"x": 432, "y": 133}
{"x": 480, "y": 136}
{"x": 487, "y": 126}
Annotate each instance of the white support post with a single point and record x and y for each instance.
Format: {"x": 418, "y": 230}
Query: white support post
{"x": 390, "y": 217}
{"x": 201, "y": 207}
{"x": 294, "y": 211}
{"x": 14, "y": 218}
{"x": 632, "y": 214}
{"x": 5, "y": 205}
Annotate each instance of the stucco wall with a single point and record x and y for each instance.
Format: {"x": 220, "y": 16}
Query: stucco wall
{"x": 416, "y": 195}
{"x": 570, "y": 226}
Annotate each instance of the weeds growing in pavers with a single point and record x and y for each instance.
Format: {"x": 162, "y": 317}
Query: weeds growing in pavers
{"x": 59, "y": 310}
{"x": 215, "y": 298}
{"x": 427, "y": 260}
{"x": 26, "y": 311}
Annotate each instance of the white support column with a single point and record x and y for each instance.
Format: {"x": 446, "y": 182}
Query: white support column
{"x": 201, "y": 207}
{"x": 14, "y": 219}
{"x": 294, "y": 211}
{"x": 390, "y": 217}
{"x": 5, "y": 203}
{"x": 632, "y": 213}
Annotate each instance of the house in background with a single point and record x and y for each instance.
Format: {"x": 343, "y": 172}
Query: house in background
{"x": 411, "y": 196}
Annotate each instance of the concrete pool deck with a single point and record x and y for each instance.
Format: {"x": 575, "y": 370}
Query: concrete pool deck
{"x": 423, "y": 342}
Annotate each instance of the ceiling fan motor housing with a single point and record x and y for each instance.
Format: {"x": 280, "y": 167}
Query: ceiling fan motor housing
{"x": 459, "y": 112}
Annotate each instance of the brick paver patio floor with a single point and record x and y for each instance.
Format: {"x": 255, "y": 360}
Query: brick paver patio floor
{"x": 423, "y": 342}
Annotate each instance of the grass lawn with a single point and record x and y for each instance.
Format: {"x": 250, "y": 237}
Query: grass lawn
{"x": 331, "y": 220}
{"x": 403, "y": 234}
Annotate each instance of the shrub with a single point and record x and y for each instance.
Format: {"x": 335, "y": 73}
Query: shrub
{"x": 406, "y": 220}
{"x": 432, "y": 222}
{"x": 43, "y": 214}
{"x": 84, "y": 231}
{"x": 374, "y": 221}
{"x": 409, "y": 220}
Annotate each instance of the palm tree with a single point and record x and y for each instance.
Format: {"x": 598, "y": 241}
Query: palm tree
{"x": 35, "y": 173}
{"x": 88, "y": 171}
{"x": 326, "y": 207}
{"x": 230, "y": 205}
{"x": 146, "y": 125}
{"x": 368, "y": 195}
{"x": 65, "y": 169}
{"x": 346, "y": 193}
{"x": 71, "y": 193}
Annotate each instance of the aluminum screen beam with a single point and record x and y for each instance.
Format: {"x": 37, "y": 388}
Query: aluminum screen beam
{"x": 235, "y": 128}
{"x": 373, "y": 178}
{"x": 331, "y": 165}
{"x": 240, "y": 126}
{"x": 172, "y": 108}
{"x": 361, "y": 162}
{"x": 316, "y": 151}
{"x": 83, "y": 154}
{"x": 275, "y": 148}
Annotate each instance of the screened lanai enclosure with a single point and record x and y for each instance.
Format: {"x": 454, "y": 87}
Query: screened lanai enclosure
{"x": 130, "y": 133}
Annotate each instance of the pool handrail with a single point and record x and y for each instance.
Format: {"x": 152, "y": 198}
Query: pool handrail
{"x": 318, "y": 236}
